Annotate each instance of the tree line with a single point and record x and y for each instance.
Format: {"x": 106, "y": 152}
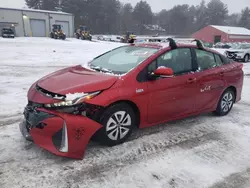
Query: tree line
{"x": 114, "y": 17}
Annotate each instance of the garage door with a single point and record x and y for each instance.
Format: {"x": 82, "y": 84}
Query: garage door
{"x": 38, "y": 28}
{"x": 65, "y": 27}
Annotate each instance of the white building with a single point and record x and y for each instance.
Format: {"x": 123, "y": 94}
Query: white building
{"x": 35, "y": 23}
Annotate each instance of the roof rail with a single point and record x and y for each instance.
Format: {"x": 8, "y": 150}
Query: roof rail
{"x": 172, "y": 43}
{"x": 199, "y": 44}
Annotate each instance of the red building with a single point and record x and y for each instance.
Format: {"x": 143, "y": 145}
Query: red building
{"x": 214, "y": 34}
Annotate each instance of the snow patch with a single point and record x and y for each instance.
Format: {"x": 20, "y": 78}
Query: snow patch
{"x": 71, "y": 97}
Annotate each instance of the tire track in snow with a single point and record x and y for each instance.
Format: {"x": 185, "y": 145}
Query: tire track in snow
{"x": 244, "y": 103}
{"x": 9, "y": 117}
{"x": 236, "y": 180}
{"x": 101, "y": 171}
{"x": 147, "y": 148}
{"x": 6, "y": 120}
{"x": 10, "y": 121}
{"x": 150, "y": 142}
{"x": 183, "y": 123}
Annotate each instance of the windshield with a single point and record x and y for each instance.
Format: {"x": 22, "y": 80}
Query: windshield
{"x": 243, "y": 46}
{"x": 9, "y": 31}
{"x": 122, "y": 59}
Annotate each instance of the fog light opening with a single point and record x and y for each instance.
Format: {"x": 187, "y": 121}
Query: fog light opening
{"x": 64, "y": 144}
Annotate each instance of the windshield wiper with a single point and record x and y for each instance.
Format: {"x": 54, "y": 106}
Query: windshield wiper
{"x": 100, "y": 69}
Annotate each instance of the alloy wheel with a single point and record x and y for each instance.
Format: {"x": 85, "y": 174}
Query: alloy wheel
{"x": 227, "y": 102}
{"x": 118, "y": 125}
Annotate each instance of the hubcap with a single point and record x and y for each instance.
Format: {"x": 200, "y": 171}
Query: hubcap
{"x": 227, "y": 102}
{"x": 118, "y": 125}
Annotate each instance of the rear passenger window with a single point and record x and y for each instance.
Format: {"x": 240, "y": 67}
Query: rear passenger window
{"x": 218, "y": 60}
{"x": 205, "y": 60}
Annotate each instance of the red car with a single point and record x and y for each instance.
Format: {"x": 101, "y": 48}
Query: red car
{"x": 132, "y": 86}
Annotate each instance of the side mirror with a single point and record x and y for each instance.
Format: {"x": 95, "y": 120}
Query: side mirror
{"x": 163, "y": 72}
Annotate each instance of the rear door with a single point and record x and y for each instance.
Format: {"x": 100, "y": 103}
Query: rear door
{"x": 210, "y": 80}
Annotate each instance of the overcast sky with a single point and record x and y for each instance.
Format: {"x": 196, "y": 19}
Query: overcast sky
{"x": 157, "y": 5}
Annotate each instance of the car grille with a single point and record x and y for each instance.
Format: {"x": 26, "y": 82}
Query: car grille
{"x": 231, "y": 55}
{"x": 35, "y": 117}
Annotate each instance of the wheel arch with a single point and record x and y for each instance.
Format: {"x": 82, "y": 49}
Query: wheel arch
{"x": 233, "y": 89}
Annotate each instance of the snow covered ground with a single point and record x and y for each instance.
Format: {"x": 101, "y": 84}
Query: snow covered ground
{"x": 198, "y": 152}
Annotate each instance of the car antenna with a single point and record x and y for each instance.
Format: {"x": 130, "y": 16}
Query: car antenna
{"x": 172, "y": 43}
{"x": 199, "y": 44}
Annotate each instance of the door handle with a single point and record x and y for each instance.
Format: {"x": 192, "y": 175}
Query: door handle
{"x": 191, "y": 80}
{"x": 222, "y": 73}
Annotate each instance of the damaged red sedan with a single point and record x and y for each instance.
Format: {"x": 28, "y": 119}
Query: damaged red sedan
{"x": 132, "y": 86}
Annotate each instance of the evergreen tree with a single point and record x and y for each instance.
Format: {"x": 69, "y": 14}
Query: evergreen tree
{"x": 43, "y": 4}
{"x": 245, "y": 18}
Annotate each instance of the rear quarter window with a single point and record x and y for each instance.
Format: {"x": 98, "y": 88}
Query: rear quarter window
{"x": 206, "y": 60}
{"x": 225, "y": 60}
{"x": 218, "y": 60}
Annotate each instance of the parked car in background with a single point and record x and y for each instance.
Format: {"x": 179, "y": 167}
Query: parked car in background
{"x": 239, "y": 53}
{"x": 115, "y": 38}
{"x": 132, "y": 86}
{"x": 8, "y": 33}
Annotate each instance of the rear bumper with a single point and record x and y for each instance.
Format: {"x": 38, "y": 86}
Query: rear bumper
{"x": 61, "y": 134}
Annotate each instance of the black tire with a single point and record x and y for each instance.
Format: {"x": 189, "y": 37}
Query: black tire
{"x": 225, "y": 103}
{"x": 52, "y": 35}
{"x": 77, "y": 36}
{"x": 108, "y": 118}
{"x": 246, "y": 58}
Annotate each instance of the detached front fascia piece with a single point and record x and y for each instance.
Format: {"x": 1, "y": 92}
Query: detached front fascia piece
{"x": 64, "y": 130}
{"x": 63, "y": 134}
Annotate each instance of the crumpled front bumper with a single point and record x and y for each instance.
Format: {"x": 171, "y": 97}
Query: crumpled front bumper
{"x": 60, "y": 133}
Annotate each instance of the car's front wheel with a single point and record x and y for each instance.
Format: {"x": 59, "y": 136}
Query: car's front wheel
{"x": 226, "y": 103}
{"x": 118, "y": 122}
{"x": 246, "y": 58}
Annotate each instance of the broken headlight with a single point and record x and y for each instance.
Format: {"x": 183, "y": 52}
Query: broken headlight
{"x": 73, "y": 99}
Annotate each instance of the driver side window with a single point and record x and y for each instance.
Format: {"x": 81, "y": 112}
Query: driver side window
{"x": 180, "y": 60}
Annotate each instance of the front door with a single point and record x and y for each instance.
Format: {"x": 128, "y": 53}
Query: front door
{"x": 209, "y": 80}
{"x": 170, "y": 98}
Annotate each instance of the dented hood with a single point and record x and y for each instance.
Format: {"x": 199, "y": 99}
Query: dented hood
{"x": 76, "y": 79}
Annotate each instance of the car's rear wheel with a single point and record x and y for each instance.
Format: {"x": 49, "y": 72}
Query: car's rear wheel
{"x": 246, "y": 58}
{"x": 226, "y": 103}
{"x": 118, "y": 122}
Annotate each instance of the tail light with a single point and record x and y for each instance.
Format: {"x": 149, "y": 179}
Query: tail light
{"x": 241, "y": 66}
